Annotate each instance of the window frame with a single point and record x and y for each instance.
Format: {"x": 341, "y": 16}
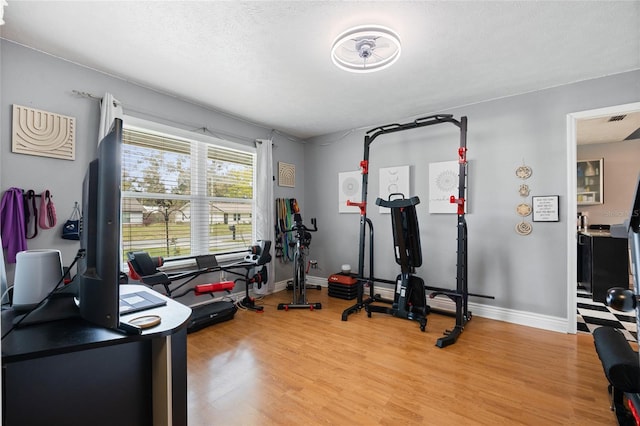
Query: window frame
{"x": 198, "y": 245}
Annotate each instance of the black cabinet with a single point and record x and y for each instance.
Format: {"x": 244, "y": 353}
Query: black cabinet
{"x": 603, "y": 262}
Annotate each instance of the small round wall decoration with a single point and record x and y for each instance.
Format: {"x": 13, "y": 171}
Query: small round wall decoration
{"x": 524, "y": 228}
{"x": 524, "y": 172}
{"x": 524, "y": 209}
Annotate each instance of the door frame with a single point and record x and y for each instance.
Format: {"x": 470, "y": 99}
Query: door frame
{"x": 571, "y": 206}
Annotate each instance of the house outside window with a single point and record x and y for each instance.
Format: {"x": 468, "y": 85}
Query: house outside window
{"x": 180, "y": 190}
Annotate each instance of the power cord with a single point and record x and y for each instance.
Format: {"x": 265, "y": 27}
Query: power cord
{"x": 5, "y": 293}
{"x": 79, "y": 255}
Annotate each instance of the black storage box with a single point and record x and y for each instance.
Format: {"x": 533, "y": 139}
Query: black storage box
{"x": 211, "y": 313}
{"x": 343, "y": 292}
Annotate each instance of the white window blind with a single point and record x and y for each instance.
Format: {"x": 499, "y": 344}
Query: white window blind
{"x": 184, "y": 197}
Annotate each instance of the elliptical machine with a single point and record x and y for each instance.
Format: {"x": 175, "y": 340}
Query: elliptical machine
{"x": 410, "y": 300}
{"x": 301, "y": 246}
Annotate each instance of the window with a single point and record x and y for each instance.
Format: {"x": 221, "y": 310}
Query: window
{"x": 184, "y": 194}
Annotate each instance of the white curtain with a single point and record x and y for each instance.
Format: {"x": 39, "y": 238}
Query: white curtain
{"x": 263, "y": 211}
{"x": 110, "y": 109}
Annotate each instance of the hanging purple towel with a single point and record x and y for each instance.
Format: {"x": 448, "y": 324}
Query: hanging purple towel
{"x": 12, "y": 226}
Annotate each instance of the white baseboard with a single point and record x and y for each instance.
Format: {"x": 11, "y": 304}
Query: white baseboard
{"x": 322, "y": 282}
{"x": 280, "y": 285}
{"x": 311, "y": 280}
{"x": 529, "y": 319}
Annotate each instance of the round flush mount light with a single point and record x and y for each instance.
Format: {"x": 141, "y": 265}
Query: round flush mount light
{"x": 366, "y": 48}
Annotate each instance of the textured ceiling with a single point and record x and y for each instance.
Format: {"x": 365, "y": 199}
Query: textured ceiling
{"x": 269, "y": 61}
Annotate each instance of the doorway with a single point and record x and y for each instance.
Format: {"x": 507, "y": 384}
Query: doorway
{"x": 570, "y": 203}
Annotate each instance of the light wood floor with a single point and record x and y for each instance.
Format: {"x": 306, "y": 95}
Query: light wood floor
{"x": 310, "y": 367}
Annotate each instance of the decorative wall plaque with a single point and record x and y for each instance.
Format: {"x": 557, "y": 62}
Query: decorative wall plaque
{"x": 523, "y": 228}
{"x": 545, "y": 208}
{"x": 286, "y": 174}
{"x": 524, "y": 172}
{"x": 43, "y": 133}
{"x": 524, "y": 209}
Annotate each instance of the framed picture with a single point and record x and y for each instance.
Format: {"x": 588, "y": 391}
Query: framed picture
{"x": 545, "y": 208}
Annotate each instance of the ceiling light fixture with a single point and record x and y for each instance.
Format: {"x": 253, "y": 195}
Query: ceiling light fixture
{"x": 366, "y": 48}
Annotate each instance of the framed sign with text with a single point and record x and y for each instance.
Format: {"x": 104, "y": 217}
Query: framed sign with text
{"x": 545, "y": 208}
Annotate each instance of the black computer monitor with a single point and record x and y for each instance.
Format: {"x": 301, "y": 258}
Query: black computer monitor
{"x": 99, "y": 269}
{"x": 94, "y": 293}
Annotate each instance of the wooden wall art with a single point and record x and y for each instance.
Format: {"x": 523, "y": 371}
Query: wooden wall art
{"x": 286, "y": 174}
{"x": 43, "y": 133}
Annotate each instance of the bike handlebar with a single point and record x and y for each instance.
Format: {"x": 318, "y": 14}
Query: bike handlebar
{"x": 299, "y": 226}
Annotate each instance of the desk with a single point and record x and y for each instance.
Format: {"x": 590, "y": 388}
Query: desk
{"x": 74, "y": 373}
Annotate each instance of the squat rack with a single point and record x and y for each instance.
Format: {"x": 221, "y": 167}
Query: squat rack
{"x": 460, "y": 294}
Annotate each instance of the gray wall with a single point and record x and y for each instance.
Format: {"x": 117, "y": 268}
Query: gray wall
{"x": 37, "y": 80}
{"x": 524, "y": 273}
{"x": 621, "y": 167}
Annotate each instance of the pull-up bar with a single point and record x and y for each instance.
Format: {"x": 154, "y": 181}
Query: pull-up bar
{"x": 418, "y": 122}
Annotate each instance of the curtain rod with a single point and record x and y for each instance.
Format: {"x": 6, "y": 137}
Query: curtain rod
{"x": 94, "y": 97}
{"x": 203, "y": 129}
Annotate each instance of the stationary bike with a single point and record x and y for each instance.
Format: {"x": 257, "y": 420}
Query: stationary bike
{"x": 301, "y": 246}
